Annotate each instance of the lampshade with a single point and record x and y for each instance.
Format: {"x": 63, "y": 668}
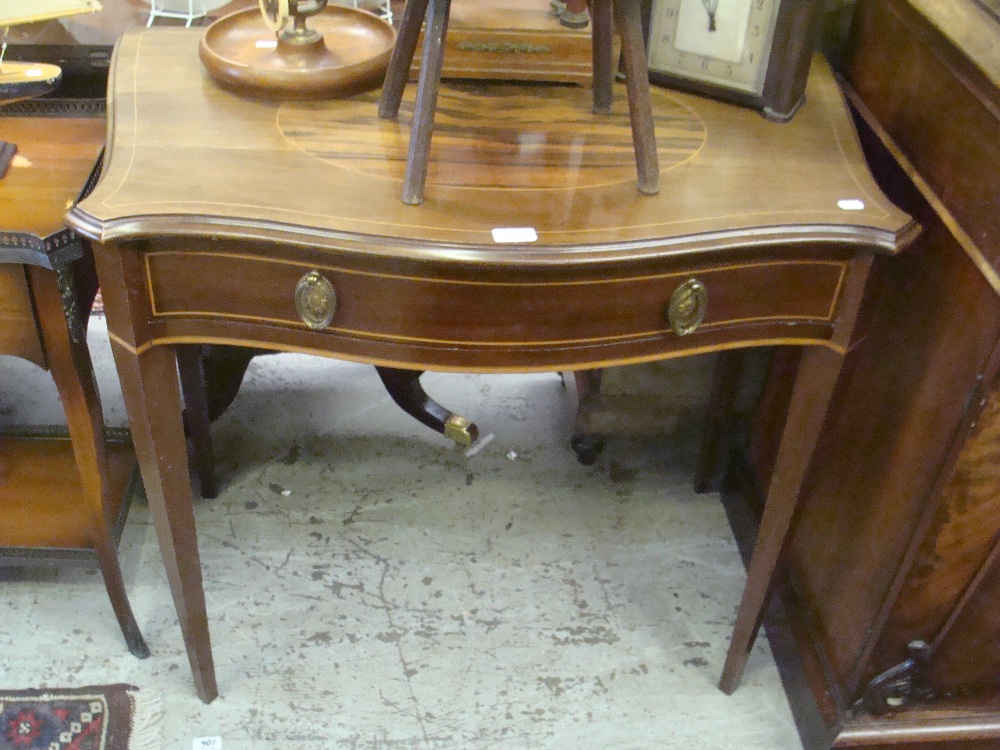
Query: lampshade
{"x": 14, "y": 12}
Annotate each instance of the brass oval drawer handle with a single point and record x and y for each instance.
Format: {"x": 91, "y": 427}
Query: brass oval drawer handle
{"x": 688, "y": 305}
{"x": 315, "y": 300}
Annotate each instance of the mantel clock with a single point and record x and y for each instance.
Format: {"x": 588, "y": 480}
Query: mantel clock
{"x": 751, "y": 52}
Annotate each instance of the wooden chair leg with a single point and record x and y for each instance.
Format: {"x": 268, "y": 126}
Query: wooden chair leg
{"x": 405, "y": 389}
{"x": 628, "y": 18}
{"x": 398, "y": 72}
{"x": 602, "y": 30}
{"x": 196, "y": 416}
{"x": 427, "y": 93}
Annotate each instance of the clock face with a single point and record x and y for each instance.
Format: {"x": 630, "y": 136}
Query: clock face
{"x": 723, "y": 42}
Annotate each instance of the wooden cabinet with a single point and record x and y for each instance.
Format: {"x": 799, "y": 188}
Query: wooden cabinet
{"x": 894, "y": 561}
{"x": 60, "y": 499}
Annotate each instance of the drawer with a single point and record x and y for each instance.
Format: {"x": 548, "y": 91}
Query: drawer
{"x": 500, "y": 310}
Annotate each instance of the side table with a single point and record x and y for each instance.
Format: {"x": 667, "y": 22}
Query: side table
{"x": 59, "y": 499}
{"x": 219, "y": 219}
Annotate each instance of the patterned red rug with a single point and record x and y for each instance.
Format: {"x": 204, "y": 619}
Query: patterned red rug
{"x": 103, "y": 717}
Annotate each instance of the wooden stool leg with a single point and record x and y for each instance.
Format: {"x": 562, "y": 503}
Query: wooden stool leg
{"x": 404, "y": 388}
{"x": 601, "y": 52}
{"x": 629, "y": 20}
{"x": 398, "y": 72}
{"x": 427, "y": 93}
{"x": 196, "y": 416}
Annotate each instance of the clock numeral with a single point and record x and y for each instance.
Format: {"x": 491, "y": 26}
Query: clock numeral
{"x": 755, "y": 31}
{"x": 704, "y": 63}
{"x": 760, "y": 4}
{"x": 729, "y": 70}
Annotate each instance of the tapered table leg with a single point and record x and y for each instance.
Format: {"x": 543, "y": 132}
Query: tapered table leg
{"x": 152, "y": 398}
{"x": 814, "y": 383}
{"x": 812, "y": 390}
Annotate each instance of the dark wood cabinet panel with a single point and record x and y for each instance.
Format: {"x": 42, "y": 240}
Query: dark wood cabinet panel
{"x": 960, "y": 555}
{"x": 895, "y": 560}
{"x": 905, "y": 394}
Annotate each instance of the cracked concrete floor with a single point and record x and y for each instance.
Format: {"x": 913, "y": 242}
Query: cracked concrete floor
{"x": 370, "y": 585}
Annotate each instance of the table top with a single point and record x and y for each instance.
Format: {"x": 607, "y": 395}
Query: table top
{"x": 189, "y": 158}
{"x": 55, "y": 157}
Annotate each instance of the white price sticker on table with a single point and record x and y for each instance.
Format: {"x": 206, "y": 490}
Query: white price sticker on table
{"x": 514, "y": 234}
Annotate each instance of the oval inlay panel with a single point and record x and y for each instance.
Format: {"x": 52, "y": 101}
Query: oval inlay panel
{"x": 508, "y": 141}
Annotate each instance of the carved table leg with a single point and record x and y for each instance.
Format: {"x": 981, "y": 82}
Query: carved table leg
{"x": 71, "y": 369}
{"x": 405, "y": 389}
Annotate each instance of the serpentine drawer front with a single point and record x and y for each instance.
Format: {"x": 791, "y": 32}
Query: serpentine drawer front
{"x": 737, "y": 301}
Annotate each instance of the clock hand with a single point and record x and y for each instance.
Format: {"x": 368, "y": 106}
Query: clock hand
{"x": 710, "y": 6}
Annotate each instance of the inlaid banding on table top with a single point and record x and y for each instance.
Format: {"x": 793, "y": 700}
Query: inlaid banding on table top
{"x": 489, "y": 135}
{"x": 457, "y": 312}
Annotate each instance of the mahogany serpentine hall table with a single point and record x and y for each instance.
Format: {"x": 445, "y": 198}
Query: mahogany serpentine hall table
{"x": 225, "y": 220}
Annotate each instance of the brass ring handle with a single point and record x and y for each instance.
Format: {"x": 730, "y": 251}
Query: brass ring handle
{"x": 688, "y": 305}
{"x": 315, "y": 300}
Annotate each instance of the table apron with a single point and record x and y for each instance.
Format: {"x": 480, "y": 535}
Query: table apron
{"x": 494, "y": 320}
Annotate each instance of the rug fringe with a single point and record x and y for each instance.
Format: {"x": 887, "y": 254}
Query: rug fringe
{"x": 147, "y": 720}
